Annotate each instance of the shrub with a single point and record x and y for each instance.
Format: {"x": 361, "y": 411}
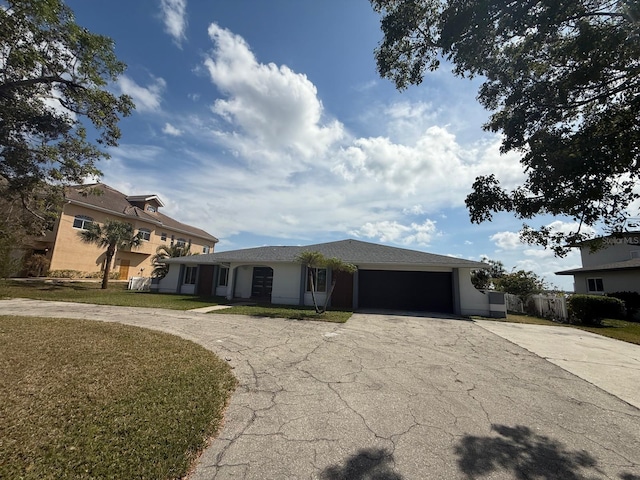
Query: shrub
{"x": 37, "y": 265}
{"x": 631, "y": 302}
{"x": 591, "y": 309}
{"x": 78, "y": 274}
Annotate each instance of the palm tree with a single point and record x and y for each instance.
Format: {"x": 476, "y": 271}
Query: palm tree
{"x": 336, "y": 265}
{"x": 167, "y": 251}
{"x": 313, "y": 260}
{"x": 112, "y": 235}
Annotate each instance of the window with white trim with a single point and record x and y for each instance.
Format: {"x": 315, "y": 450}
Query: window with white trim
{"x": 595, "y": 285}
{"x": 82, "y": 222}
{"x": 181, "y": 242}
{"x": 145, "y": 234}
{"x": 151, "y": 208}
{"x": 223, "y": 277}
{"x": 190, "y": 275}
{"x": 319, "y": 279}
{"x": 206, "y": 249}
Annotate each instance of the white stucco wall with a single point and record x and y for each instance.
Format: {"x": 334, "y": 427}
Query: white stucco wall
{"x": 169, "y": 283}
{"x": 243, "y": 278}
{"x": 286, "y": 284}
{"x": 187, "y": 289}
{"x": 472, "y": 300}
{"x": 616, "y": 281}
{"x": 614, "y": 250}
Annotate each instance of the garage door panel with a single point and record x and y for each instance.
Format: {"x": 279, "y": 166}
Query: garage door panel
{"x": 405, "y": 290}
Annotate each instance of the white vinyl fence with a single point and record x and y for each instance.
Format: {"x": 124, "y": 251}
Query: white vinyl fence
{"x": 141, "y": 284}
{"x": 546, "y": 305}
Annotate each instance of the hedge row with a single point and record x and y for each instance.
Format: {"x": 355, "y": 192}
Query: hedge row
{"x": 591, "y": 309}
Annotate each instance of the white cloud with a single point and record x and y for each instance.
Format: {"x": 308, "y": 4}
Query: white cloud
{"x": 147, "y": 99}
{"x": 394, "y": 232}
{"x": 559, "y": 226}
{"x": 171, "y": 130}
{"x": 270, "y": 107}
{"x": 413, "y": 210}
{"x": 506, "y": 240}
{"x": 174, "y": 15}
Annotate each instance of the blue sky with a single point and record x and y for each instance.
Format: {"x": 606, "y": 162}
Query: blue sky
{"x": 265, "y": 122}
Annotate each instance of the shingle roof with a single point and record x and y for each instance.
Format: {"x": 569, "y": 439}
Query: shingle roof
{"x": 350, "y": 251}
{"x": 114, "y": 201}
{"x": 634, "y": 263}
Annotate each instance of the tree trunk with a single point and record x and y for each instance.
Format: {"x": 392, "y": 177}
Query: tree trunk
{"x": 313, "y": 289}
{"x": 326, "y": 302}
{"x": 107, "y": 266}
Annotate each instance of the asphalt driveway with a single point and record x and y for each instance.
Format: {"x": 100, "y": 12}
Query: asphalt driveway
{"x": 391, "y": 397}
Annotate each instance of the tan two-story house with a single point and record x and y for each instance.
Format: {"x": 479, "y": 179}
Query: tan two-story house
{"x": 85, "y": 204}
{"x": 610, "y": 265}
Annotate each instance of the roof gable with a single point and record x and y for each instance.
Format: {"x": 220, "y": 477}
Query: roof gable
{"x": 109, "y": 199}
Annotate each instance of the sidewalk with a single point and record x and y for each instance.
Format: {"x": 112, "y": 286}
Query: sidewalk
{"x": 612, "y": 365}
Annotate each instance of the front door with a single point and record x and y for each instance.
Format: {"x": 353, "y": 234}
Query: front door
{"x": 124, "y": 270}
{"x": 205, "y": 280}
{"x": 262, "y": 283}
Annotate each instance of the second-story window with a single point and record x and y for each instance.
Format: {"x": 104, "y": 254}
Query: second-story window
{"x": 181, "y": 242}
{"x": 145, "y": 234}
{"x": 205, "y": 249}
{"x": 82, "y": 222}
{"x": 163, "y": 236}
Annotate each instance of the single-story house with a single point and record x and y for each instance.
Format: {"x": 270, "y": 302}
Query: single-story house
{"x": 386, "y": 278}
{"x": 609, "y": 264}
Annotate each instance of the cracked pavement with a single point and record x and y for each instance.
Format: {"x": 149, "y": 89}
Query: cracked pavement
{"x": 390, "y": 397}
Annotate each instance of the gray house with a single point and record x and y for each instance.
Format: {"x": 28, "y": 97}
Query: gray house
{"x": 613, "y": 267}
{"x": 386, "y": 278}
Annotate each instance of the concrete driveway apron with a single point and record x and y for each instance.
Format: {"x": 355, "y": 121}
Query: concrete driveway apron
{"x": 391, "y": 397}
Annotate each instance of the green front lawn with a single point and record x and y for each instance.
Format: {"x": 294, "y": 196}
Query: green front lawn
{"x": 83, "y": 399}
{"x": 618, "y": 329}
{"x": 90, "y": 292}
{"x": 290, "y": 312}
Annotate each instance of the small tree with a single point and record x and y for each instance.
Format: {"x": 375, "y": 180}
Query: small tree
{"x": 336, "y": 265}
{"x": 163, "y": 252}
{"x": 112, "y": 235}
{"x": 484, "y": 278}
{"x": 313, "y": 260}
{"x": 520, "y": 283}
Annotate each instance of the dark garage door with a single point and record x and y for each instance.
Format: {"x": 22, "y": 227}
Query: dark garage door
{"x": 399, "y": 290}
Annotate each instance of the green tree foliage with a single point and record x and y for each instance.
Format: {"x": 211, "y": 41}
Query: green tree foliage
{"x": 112, "y": 235}
{"x": 313, "y": 260}
{"x": 562, "y": 79}
{"x": 163, "y": 252}
{"x": 484, "y": 278}
{"x": 56, "y": 108}
{"x": 521, "y": 283}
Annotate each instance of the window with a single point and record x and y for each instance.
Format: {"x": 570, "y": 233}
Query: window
{"x": 145, "y": 234}
{"x": 173, "y": 237}
{"x": 163, "y": 236}
{"x": 595, "y": 285}
{"x": 82, "y": 222}
{"x": 223, "y": 277}
{"x": 319, "y": 279}
{"x": 151, "y": 208}
{"x": 190, "y": 275}
{"x": 181, "y": 242}
{"x": 205, "y": 249}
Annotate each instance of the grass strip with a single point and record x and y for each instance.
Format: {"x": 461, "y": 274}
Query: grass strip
{"x": 82, "y": 399}
{"x": 90, "y": 292}
{"x": 290, "y": 312}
